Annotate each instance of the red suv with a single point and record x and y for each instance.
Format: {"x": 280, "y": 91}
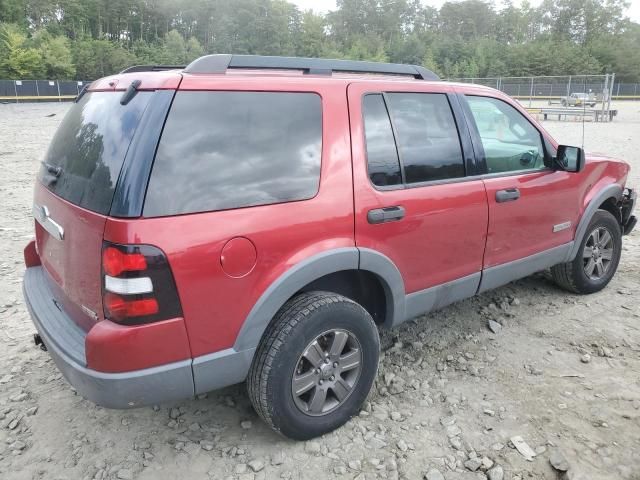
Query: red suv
{"x": 259, "y": 218}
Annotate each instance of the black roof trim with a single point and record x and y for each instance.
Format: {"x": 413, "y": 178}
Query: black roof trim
{"x": 152, "y": 68}
{"x": 316, "y": 66}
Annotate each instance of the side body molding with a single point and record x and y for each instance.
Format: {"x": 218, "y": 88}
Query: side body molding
{"x": 494, "y": 277}
{"x": 392, "y": 283}
{"x": 286, "y": 286}
{"x": 610, "y": 191}
{"x": 439, "y": 296}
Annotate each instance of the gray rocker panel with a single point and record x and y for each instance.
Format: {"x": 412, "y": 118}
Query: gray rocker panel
{"x": 434, "y": 298}
{"x": 499, "y": 275}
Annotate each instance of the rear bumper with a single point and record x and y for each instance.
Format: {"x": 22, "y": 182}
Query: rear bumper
{"x": 65, "y": 341}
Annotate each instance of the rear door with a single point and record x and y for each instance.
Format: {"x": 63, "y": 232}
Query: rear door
{"x": 414, "y": 200}
{"x": 73, "y": 195}
{"x": 532, "y": 208}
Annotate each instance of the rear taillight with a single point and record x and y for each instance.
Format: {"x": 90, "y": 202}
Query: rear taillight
{"x": 137, "y": 285}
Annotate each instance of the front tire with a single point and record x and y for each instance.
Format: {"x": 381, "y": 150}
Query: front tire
{"x": 315, "y": 365}
{"x": 597, "y": 259}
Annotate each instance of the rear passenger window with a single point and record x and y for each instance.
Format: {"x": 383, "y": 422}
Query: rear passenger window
{"x": 223, "y": 150}
{"x": 382, "y": 156}
{"x": 427, "y": 136}
{"x": 414, "y": 132}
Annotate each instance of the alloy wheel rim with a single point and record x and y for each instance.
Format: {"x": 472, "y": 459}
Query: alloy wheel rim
{"x": 598, "y": 253}
{"x": 326, "y": 372}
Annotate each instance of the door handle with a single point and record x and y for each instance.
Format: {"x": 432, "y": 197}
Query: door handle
{"x": 386, "y": 214}
{"x": 508, "y": 195}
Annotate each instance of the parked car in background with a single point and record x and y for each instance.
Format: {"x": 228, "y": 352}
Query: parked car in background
{"x": 259, "y": 219}
{"x": 579, "y": 100}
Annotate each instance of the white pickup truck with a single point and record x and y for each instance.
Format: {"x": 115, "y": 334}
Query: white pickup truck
{"x": 578, "y": 100}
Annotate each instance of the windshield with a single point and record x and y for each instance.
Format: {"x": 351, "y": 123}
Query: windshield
{"x": 84, "y": 159}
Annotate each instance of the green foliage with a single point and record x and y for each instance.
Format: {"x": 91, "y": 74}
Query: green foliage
{"x": 175, "y": 49}
{"x": 57, "y": 61}
{"x": 88, "y": 39}
{"x": 17, "y": 60}
{"x": 367, "y": 47}
{"x": 312, "y": 37}
{"x": 12, "y": 11}
{"x": 98, "y": 58}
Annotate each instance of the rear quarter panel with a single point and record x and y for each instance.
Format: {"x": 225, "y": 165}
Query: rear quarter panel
{"x": 215, "y": 304}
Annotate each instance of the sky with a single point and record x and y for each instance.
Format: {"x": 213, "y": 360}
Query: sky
{"x": 325, "y": 5}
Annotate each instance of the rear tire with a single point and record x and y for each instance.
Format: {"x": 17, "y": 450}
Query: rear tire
{"x": 597, "y": 259}
{"x": 315, "y": 365}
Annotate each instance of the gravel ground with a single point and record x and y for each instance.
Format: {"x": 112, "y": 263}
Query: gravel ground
{"x": 562, "y": 374}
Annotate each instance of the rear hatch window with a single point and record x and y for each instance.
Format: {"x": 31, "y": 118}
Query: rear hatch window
{"x": 223, "y": 150}
{"x": 84, "y": 159}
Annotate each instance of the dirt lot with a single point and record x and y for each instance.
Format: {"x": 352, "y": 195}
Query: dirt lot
{"x": 563, "y": 373}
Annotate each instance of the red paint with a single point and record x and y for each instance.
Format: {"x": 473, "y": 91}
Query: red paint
{"x": 214, "y": 304}
{"x": 116, "y": 348}
{"x": 442, "y": 236}
{"x": 74, "y": 263}
{"x": 222, "y": 262}
{"x": 168, "y": 80}
{"x": 238, "y": 257}
{"x": 524, "y": 227}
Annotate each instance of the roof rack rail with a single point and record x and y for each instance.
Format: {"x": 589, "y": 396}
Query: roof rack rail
{"x": 317, "y": 66}
{"x": 152, "y": 68}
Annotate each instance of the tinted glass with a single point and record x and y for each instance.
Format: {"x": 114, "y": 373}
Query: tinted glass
{"x": 382, "y": 157}
{"x": 84, "y": 159}
{"x": 222, "y": 150}
{"x": 427, "y": 136}
{"x": 509, "y": 140}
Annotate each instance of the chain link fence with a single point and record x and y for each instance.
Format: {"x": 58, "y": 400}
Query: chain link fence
{"x": 40, "y": 90}
{"x": 550, "y": 88}
{"x": 569, "y": 96}
{"x": 556, "y": 87}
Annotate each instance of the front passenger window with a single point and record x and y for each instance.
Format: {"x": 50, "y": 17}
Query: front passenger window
{"x": 510, "y": 142}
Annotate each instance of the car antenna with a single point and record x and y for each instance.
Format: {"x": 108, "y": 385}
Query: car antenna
{"x": 584, "y": 106}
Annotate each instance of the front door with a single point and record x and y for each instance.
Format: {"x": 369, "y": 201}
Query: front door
{"x": 414, "y": 202}
{"x": 532, "y": 208}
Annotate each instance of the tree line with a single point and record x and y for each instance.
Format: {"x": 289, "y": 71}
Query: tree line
{"x": 88, "y": 39}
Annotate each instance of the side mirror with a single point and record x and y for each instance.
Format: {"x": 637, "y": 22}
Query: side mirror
{"x": 569, "y": 159}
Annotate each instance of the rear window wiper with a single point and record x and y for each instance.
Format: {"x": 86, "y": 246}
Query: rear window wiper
{"x": 130, "y": 92}
{"x": 81, "y": 94}
{"x": 54, "y": 170}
